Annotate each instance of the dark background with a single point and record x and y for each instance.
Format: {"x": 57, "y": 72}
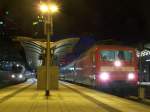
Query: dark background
{"x": 119, "y": 19}
{"x": 126, "y": 21}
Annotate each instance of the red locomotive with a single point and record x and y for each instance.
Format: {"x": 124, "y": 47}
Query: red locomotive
{"x": 104, "y": 66}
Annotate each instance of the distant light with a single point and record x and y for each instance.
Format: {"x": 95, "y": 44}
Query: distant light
{"x": 7, "y": 12}
{"x": 40, "y": 20}
{"x": 96, "y": 48}
{"x": 79, "y": 68}
{"x": 148, "y": 60}
{"x": 71, "y": 68}
{"x": 40, "y": 17}
{"x": 1, "y": 22}
{"x": 34, "y": 23}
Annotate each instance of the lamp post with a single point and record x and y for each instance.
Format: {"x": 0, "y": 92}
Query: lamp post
{"x": 49, "y": 9}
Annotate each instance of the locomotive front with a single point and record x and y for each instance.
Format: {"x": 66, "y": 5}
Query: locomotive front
{"x": 117, "y": 67}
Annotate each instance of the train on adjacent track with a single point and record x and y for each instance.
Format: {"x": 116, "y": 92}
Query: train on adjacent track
{"x": 104, "y": 66}
{"x": 12, "y": 73}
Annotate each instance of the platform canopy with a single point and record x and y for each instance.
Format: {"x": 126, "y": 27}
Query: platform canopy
{"x": 34, "y": 48}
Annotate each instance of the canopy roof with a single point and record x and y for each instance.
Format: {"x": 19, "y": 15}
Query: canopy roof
{"x": 35, "y": 47}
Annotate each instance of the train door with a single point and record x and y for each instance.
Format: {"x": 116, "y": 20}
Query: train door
{"x": 145, "y": 70}
{"x": 146, "y": 73}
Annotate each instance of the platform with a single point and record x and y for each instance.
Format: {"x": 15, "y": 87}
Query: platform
{"x": 69, "y": 98}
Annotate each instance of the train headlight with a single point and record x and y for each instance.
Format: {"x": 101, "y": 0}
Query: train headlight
{"x": 20, "y": 76}
{"x": 104, "y": 76}
{"x": 117, "y": 63}
{"x": 13, "y": 76}
{"x": 131, "y": 76}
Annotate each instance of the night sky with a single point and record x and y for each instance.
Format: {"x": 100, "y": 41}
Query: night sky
{"x": 121, "y": 19}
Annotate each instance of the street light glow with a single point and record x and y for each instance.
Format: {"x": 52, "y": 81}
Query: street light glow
{"x": 49, "y": 10}
{"x": 44, "y": 8}
{"x": 53, "y": 8}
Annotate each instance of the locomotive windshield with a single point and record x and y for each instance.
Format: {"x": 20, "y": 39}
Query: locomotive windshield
{"x": 6, "y": 66}
{"x": 113, "y": 55}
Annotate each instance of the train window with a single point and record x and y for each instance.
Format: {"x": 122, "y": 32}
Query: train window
{"x": 112, "y": 55}
{"x": 16, "y": 69}
{"x": 6, "y": 67}
{"x": 127, "y": 55}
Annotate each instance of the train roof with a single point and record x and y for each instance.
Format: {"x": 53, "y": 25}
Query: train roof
{"x": 112, "y": 43}
{"x": 113, "y": 46}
